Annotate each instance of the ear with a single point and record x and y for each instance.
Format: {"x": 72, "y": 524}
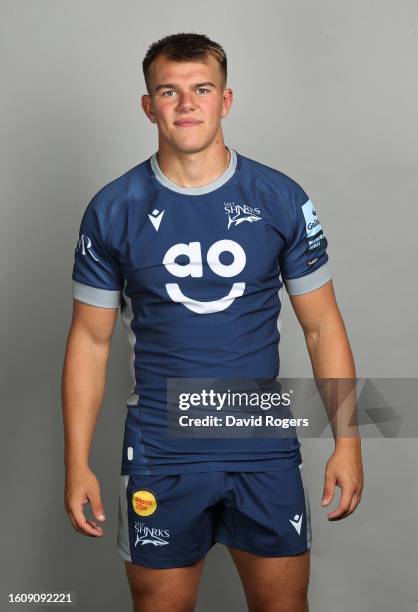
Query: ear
{"x": 146, "y": 104}
{"x": 227, "y": 101}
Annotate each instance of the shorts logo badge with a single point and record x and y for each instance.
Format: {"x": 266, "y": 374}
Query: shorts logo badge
{"x": 150, "y": 535}
{"x": 297, "y": 522}
{"x": 144, "y": 502}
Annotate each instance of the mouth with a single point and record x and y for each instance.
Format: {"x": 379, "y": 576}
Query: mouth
{"x": 187, "y": 123}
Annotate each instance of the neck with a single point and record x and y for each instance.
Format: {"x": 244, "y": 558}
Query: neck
{"x": 194, "y": 169}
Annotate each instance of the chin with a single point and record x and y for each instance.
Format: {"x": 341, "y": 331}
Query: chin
{"x": 193, "y": 146}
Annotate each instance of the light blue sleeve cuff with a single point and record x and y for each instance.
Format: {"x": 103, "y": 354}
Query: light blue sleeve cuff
{"x": 105, "y": 298}
{"x": 309, "y": 282}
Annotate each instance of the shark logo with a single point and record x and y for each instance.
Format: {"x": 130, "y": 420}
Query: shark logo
{"x": 150, "y": 535}
{"x": 237, "y": 213}
{"x": 297, "y": 522}
{"x": 238, "y": 219}
{"x": 148, "y": 540}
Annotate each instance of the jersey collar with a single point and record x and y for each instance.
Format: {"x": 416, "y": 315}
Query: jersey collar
{"x": 221, "y": 180}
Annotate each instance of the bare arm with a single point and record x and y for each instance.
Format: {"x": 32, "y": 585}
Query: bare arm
{"x": 83, "y": 384}
{"x": 325, "y": 333}
{"x": 331, "y": 357}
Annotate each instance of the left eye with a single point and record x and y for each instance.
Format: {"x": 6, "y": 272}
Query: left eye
{"x": 166, "y": 94}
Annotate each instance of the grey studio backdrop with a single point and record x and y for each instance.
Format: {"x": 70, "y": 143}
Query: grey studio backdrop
{"x": 325, "y": 91}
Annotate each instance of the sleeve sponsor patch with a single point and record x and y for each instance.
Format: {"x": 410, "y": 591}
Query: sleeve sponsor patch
{"x": 311, "y": 219}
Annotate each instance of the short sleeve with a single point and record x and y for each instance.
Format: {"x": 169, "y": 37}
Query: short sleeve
{"x": 304, "y": 262}
{"x": 97, "y": 277}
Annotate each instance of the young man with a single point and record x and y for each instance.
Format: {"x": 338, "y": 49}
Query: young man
{"x": 194, "y": 245}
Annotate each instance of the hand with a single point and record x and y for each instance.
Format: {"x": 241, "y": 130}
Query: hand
{"x": 81, "y": 487}
{"x": 344, "y": 469}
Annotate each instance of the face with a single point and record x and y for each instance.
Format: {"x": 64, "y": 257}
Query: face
{"x": 187, "y": 103}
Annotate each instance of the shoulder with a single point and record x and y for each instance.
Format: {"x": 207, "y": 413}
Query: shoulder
{"x": 113, "y": 196}
{"x": 272, "y": 182}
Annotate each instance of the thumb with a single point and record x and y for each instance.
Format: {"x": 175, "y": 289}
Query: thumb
{"x": 329, "y": 488}
{"x": 97, "y": 506}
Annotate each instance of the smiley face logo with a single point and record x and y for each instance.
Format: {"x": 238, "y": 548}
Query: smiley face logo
{"x": 144, "y": 502}
{"x": 194, "y": 268}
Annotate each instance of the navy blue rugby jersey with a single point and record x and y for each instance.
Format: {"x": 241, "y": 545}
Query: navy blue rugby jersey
{"x": 198, "y": 274}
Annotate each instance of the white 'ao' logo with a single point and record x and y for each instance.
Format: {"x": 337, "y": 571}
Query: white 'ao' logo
{"x": 194, "y": 268}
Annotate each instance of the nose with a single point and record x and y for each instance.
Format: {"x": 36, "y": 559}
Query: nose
{"x": 186, "y": 100}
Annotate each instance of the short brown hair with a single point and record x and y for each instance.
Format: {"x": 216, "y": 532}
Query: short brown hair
{"x": 184, "y": 47}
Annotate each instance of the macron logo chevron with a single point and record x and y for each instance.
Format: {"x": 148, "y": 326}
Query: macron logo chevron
{"x": 155, "y": 218}
{"x": 297, "y": 522}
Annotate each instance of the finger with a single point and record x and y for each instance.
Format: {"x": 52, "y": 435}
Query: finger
{"x": 83, "y": 525}
{"x": 344, "y": 504}
{"x": 70, "y": 515}
{"x": 329, "y": 489}
{"x": 96, "y": 505}
{"x": 356, "y": 499}
{"x": 354, "y": 503}
{"x": 74, "y": 524}
{"x": 98, "y": 529}
{"x": 349, "y": 511}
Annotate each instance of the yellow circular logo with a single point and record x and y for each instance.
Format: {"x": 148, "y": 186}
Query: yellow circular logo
{"x": 144, "y": 502}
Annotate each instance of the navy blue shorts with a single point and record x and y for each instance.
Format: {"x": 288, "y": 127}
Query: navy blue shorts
{"x": 172, "y": 521}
